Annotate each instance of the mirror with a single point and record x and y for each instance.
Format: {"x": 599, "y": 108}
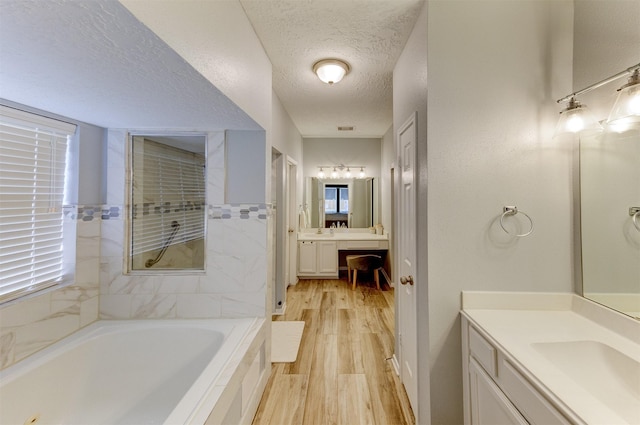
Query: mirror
{"x": 168, "y": 204}
{"x": 349, "y": 201}
{"x": 609, "y": 190}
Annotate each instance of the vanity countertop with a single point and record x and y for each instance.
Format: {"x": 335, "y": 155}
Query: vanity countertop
{"x": 582, "y": 355}
{"x": 341, "y": 235}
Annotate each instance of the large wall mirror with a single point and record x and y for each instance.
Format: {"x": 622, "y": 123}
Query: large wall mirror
{"x": 609, "y": 196}
{"x": 167, "y": 192}
{"x": 342, "y": 202}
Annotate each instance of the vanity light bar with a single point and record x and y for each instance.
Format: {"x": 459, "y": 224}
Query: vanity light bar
{"x": 620, "y": 74}
{"x": 350, "y": 171}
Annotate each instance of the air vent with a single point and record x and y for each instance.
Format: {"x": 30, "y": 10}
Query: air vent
{"x": 345, "y": 128}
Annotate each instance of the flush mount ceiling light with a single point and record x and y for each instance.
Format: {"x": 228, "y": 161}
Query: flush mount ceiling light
{"x": 331, "y": 71}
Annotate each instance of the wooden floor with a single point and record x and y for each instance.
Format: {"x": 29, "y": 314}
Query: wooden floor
{"x": 343, "y": 373}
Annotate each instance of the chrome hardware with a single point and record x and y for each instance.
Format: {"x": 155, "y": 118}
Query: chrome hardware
{"x": 634, "y": 212}
{"x": 151, "y": 261}
{"x": 406, "y": 279}
{"x": 511, "y": 211}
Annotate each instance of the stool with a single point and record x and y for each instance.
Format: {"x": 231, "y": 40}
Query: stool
{"x": 363, "y": 263}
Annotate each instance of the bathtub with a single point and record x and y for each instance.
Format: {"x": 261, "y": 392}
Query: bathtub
{"x": 140, "y": 372}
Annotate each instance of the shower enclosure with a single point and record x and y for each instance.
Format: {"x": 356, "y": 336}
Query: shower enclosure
{"x": 168, "y": 205}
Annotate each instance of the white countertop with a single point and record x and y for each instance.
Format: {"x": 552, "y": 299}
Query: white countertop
{"x": 597, "y": 345}
{"x": 341, "y": 235}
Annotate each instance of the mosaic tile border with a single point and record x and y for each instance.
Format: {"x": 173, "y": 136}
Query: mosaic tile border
{"x": 241, "y": 211}
{"x": 214, "y": 212}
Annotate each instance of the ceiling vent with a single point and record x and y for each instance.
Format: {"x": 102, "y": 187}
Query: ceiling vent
{"x": 345, "y": 128}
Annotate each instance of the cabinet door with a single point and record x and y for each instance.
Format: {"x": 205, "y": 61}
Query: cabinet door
{"x": 489, "y": 405}
{"x": 307, "y": 262}
{"x": 327, "y": 257}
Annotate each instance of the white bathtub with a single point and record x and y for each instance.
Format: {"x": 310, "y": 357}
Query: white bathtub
{"x": 133, "y": 372}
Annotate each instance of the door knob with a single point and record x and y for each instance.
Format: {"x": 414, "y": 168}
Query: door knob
{"x": 290, "y": 230}
{"x": 406, "y": 279}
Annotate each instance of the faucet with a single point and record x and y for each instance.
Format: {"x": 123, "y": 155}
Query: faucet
{"x": 319, "y": 232}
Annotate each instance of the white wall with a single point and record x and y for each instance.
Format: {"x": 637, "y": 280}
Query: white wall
{"x": 387, "y": 161}
{"x": 489, "y": 119}
{"x": 287, "y": 140}
{"x": 409, "y": 97}
{"x": 217, "y": 39}
{"x": 245, "y": 167}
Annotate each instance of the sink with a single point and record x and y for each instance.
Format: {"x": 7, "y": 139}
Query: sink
{"x": 606, "y": 373}
{"x": 320, "y": 235}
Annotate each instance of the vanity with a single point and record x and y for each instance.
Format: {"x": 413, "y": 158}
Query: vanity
{"x": 319, "y": 253}
{"x": 548, "y": 358}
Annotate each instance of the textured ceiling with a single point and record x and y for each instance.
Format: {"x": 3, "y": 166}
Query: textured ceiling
{"x": 93, "y": 61}
{"x": 368, "y": 34}
{"x": 97, "y": 63}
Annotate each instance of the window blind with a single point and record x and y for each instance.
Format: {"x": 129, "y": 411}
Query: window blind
{"x": 33, "y": 156}
{"x": 169, "y": 186}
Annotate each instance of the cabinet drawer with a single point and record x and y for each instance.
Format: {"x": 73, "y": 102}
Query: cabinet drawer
{"x": 344, "y": 245}
{"x": 483, "y": 352}
{"x": 534, "y": 407}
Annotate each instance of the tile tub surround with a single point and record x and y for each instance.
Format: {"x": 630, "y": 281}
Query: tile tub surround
{"x": 32, "y": 323}
{"x": 520, "y": 322}
{"x": 234, "y": 283}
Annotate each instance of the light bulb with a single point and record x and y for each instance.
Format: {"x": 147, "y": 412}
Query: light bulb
{"x": 576, "y": 118}
{"x": 361, "y": 172}
{"x": 331, "y": 71}
{"x": 334, "y": 173}
{"x": 321, "y": 173}
{"x": 348, "y": 173}
{"x": 575, "y": 123}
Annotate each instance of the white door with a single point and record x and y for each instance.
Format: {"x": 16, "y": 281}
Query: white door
{"x": 407, "y": 329}
{"x": 307, "y": 257}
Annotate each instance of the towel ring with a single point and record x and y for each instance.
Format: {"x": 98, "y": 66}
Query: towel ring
{"x": 513, "y": 210}
{"x": 634, "y": 212}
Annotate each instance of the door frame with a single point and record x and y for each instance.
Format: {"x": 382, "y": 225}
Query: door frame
{"x": 402, "y": 333}
{"x": 292, "y": 222}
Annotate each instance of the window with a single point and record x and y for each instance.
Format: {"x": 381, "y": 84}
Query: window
{"x": 336, "y": 199}
{"x": 33, "y": 162}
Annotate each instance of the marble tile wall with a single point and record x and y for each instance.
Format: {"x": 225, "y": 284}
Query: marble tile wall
{"x": 234, "y": 283}
{"x": 40, "y": 320}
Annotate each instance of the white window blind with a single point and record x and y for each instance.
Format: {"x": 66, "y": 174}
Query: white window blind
{"x": 168, "y": 188}
{"x": 33, "y": 155}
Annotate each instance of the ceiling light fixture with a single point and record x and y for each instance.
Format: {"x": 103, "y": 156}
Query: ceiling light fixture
{"x": 576, "y": 118}
{"x": 625, "y": 112}
{"x": 341, "y": 171}
{"x": 331, "y": 71}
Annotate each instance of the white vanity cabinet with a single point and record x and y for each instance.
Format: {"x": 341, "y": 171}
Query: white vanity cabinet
{"x": 495, "y": 391}
{"x": 317, "y": 259}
